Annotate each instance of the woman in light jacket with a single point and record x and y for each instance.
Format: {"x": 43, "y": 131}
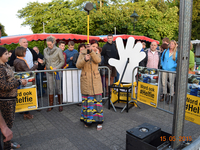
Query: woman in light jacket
{"x": 169, "y": 63}
{"x": 91, "y": 86}
{"x": 53, "y": 57}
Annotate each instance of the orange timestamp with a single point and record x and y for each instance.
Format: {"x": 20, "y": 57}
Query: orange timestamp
{"x": 173, "y": 138}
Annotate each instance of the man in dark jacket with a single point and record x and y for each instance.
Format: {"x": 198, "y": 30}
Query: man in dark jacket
{"x": 39, "y": 76}
{"x": 30, "y": 57}
{"x": 109, "y": 50}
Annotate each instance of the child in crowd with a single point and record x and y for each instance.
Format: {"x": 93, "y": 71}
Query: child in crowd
{"x": 194, "y": 87}
{"x": 70, "y": 53}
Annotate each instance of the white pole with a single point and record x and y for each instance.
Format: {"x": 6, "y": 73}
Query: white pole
{"x": 43, "y": 28}
{"x": 115, "y": 30}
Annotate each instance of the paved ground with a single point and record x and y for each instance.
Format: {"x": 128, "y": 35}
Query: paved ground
{"x": 63, "y": 130}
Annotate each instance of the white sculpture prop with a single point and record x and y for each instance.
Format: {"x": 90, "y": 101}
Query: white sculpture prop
{"x": 132, "y": 52}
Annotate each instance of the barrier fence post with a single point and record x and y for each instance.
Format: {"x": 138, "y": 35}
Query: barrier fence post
{"x": 185, "y": 21}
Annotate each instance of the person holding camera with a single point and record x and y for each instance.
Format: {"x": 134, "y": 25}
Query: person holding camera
{"x": 91, "y": 85}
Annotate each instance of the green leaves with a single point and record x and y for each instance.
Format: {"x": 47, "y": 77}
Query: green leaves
{"x": 196, "y": 20}
{"x": 157, "y": 18}
{"x": 3, "y": 33}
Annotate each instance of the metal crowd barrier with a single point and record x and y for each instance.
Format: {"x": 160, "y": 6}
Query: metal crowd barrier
{"x": 72, "y": 92}
{"x": 163, "y": 105}
{"x": 155, "y": 79}
{"x": 194, "y": 146}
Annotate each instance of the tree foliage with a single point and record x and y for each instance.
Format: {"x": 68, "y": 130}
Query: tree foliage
{"x": 196, "y": 20}
{"x": 157, "y": 18}
{"x": 3, "y": 33}
{"x": 195, "y": 16}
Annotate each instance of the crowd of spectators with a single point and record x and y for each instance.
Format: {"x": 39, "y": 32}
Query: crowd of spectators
{"x": 88, "y": 57}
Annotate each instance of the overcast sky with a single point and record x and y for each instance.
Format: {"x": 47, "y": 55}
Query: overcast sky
{"x": 8, "y": 16}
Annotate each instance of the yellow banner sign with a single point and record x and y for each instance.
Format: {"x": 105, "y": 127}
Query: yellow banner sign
{"x": 147, "y": 94}
{"x": 26, "y": 100}
{"x": 192, "y": 109}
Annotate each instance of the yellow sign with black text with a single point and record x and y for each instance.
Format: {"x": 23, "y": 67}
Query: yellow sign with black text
{"x": 147, "y": 93}
{"x": 192, "y": 109}
{"x": 26, "y": 100}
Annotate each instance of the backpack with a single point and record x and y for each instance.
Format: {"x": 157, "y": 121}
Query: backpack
{"x": 164, "y": 54}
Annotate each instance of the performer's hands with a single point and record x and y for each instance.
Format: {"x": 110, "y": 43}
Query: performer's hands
{"x": 132, "y": 52}
{"x": 87, "y": 57}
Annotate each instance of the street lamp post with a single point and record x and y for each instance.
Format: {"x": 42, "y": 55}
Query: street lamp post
{"x": 134, "y": 18}
{"x": 88, "y": 7}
